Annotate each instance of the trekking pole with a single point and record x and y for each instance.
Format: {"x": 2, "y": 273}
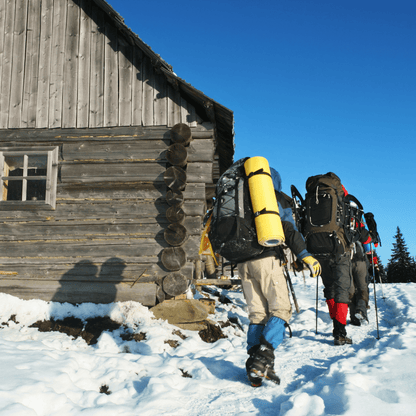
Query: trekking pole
{"x": 381, "y": 282}
{"x": 316, "y": 306}
{"x": 289, "y": 282}
{"x": 375, "y": 297}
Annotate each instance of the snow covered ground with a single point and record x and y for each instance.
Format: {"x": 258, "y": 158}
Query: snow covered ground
{"x": 51, "y": 373}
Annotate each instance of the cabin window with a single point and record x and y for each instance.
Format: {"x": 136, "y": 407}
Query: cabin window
{"x": 28, "y": 178}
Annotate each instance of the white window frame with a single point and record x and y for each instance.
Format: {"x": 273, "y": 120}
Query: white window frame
{"x": 51, "y": 177}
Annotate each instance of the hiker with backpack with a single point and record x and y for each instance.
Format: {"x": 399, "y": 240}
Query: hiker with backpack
{"x": 329, "y": 225}
{"x": 260, "y": 268}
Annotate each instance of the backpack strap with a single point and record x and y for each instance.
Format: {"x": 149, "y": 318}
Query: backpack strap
{"x": 264, "y": 211}
{"x": 258, "y": 172}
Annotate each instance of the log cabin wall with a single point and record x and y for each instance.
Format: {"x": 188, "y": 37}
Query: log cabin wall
{"x": 64, "y": 64}
{"x": 74, "y": 80}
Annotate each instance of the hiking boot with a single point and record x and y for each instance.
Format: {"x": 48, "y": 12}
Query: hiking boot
{"x": 254, "y": 380}
{"x": 261, "y": 364}
{"x": 341, "y": 340}
{"x": 362, "y": 317}
{"x": 354, "y": 321}
{"x": 340, "y": 334}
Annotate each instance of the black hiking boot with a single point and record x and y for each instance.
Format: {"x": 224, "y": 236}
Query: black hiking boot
{"x": 361, "y": 316}
{"x": 254, "y": 380}
{"x": 340, "y": 334}
{"x": 261, "y": 364}
{"x": 353, "y": 320}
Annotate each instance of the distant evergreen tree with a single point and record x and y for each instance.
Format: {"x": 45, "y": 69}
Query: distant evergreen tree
{"x": 401, "y": 267}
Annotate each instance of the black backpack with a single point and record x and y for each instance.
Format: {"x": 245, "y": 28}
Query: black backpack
{"x": 233, "y": 232}
{"x": 331, "y": 222}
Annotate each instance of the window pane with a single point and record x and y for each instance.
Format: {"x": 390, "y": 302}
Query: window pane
{"x": 37, "y": 165}
{"x": 36, "y": 190}
{"x": 14, "y": 190}
{"x": 13, "y": 166}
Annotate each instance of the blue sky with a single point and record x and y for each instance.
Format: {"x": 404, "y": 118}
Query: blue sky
{"x": 315, "y": 86}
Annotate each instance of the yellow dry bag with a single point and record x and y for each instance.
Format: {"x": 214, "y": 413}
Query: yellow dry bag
{"x": 263, "y": 199}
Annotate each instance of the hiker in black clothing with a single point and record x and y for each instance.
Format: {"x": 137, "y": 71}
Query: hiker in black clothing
{"x": 329, "y": 239}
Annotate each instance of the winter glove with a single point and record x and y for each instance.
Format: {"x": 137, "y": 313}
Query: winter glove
{"x": 313, "y": 265}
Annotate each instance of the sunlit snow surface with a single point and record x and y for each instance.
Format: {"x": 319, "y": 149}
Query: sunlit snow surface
{"x": 50, "y": 373}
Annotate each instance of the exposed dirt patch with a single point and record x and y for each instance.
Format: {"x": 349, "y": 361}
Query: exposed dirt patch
{"x": 173, "y": 343}
{"x": 234, "y": 322}
{"x": 94, "y": 327}
{"x": 141, "y": 336}
{"x": 179, "y": 334}
{"x": 212, "y": 333}
{"x": 75, "y": 327}
{"x": 11, "y": 319}
{"x": 104, "y": 389}
{"x": 185, "y": 373}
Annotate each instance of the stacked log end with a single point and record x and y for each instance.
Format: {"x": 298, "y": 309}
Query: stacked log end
{"x": 174, "y": 258}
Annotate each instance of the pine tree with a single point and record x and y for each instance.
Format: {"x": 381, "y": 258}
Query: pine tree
{"x": 401, "y": 267}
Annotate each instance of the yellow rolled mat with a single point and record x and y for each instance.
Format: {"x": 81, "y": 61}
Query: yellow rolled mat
{"x": 268, "y": 224}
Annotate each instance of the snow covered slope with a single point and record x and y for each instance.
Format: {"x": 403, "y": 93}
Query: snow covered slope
{"x": 174, "y": 372}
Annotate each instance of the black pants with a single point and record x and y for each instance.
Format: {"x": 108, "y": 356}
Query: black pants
{"x": 360, "y": 277}
{"x": 337, "y": 278}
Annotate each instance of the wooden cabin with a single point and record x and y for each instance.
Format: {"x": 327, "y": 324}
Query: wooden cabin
{"x": 108, "y": 159}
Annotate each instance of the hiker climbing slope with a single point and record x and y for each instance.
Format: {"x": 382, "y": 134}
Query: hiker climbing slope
{"x": 259, "y": 267}
{"x": 330, "y": 229}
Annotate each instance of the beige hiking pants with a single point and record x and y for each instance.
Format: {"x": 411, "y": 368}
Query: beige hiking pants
{"x": 265, "y": 290}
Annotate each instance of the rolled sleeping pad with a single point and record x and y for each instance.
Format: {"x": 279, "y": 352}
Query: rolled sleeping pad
{"x": 263, "y": 199}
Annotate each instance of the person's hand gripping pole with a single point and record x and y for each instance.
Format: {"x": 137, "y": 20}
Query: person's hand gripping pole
{"x": 313, "y": 265}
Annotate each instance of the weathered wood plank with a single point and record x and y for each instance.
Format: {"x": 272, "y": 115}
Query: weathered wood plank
{"x": 2, "y": 32}
{"x": 17, "y": 81}
{"x": 184, "y": 112}
{"x": 199, "y": 172}
{"x": 96, "y": 115}
{"x": 201, "y": 150}
{"x": 216, "y": 282}
{"x": 125, "y": 81}
{"x": 57, "y": 63}
{"x": 79, "y": 292}
{"x": 70, "y": 79}
{"x": 125, "y": 190}
{"x": 141, "y": 150}
{"x": 160, "y": 101}
{"x": 31, "y": 64}
{"x": 133, "y": 133}
{"x": 84, "y": 64}
{"x": 95, "y": 210}
{"x": 93, "y": 248}
{"x": 137, "y": 87}
{"x": 111, "y": 109}
{"x": 118, "y": 190}
{"x": 174, "y": 108}
{"x": 194, "y": 191}
{"x": 63, "y": 230}
{"x": 148, "y": 93}
{"x": 93, "y": 172}
{"x": 45, "y": 53}
{"x": 194, "y": 208}
{"x": 109, "y": 270}
{"x": 6, "y": 74}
